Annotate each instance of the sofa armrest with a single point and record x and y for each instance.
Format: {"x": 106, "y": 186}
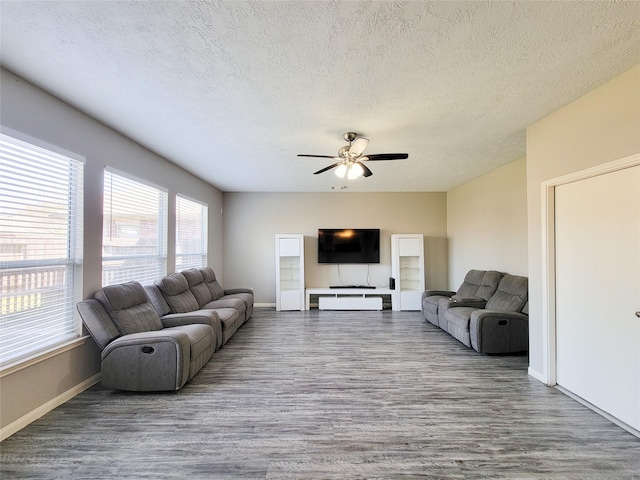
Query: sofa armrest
{"x": 493, "y": 331}
{"x": 474, "y": 302}
{"x": 205, "y": 316}
{"x": 147, "y": 361}
{"x": 231, "y": 291}
{"x": 441, "y": 293}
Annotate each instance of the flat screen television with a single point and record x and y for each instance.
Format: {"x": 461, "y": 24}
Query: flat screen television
{"x": 348, "y": 245}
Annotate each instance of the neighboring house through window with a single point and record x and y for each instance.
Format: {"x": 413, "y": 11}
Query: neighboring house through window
{"x": 191, "y": 233}
{"x": 41, "y": 198}
{"x": 134, "y": 231}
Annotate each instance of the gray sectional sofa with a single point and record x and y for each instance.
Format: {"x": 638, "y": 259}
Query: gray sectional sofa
{"x": 488, "y": 313}
{"x": 157, "y": 337}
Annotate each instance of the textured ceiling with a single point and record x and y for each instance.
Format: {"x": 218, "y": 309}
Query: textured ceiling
{"x": 232, "y": 91}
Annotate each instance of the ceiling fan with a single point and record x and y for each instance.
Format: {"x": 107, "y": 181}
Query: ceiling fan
{"x": 350, "y": 158}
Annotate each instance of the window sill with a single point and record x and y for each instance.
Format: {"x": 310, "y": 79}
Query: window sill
{"x": 22, "y": 363}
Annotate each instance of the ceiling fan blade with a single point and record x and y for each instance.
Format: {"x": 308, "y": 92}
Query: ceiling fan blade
{"x": 387, "y": 156}
{"x": 367, "y": 172}
{"x": 327, "y": 168}
{"x": 358, "y": 146}
{"x": 317, "y": 156}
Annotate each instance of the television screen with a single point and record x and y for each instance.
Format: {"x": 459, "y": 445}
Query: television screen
{"x": 348, "y": 245}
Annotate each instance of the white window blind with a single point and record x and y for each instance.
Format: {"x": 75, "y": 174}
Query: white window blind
{"x": 40, "y": 249}
{"x": 191, "y": 234}
{"x": 134, "y": 231}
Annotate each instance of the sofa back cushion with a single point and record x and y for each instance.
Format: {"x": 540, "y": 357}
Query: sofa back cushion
{"x": 469, "y": 287}
{"x": 129, "y": 307}
{"x": 209, "y": 277}
{"x": 98, "y": 322}
{"x": 176, "y": 292}
{"x": 197, "y": 286}
{"x": 511, "y": 294}
{"x": 489, "y": 284}
{"x": 157, "y": 300}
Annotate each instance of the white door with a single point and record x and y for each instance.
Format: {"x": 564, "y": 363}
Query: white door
{"x": 598, "y": 291}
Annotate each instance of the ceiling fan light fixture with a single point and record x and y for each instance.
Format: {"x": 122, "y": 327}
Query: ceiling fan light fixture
{"x": 348, "y": 161}
{"x": 355, "y": 171}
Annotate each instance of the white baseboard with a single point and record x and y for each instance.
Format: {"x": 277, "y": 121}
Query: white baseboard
{"x": 606, "y": 415}
{"x": 537, "y": 375}
{"x": 32, "y": 416}
{"x": 264, "y": 305}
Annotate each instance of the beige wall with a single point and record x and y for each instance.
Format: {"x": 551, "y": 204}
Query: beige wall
{"x": 600, "y": 127}
{"x": 251, "y": 221}
{"x": 30, "y": 111}
{"x": 487, "y": 223}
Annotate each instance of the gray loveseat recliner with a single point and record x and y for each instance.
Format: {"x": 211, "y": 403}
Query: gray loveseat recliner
{"x": 476, "y": 289}
{"x": 502, "y": 326}
{"x": 139, "y": 352}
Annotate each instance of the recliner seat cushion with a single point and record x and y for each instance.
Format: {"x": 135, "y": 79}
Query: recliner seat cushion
{"x": 231, "y": 321}
{"x": 129, "y": 307}
{"x": 458, "y": 320}
{"x": 243, "y": 294}
{"x": 228, "y": 302}
{"x": 175, "y": 289}
{"x": 202, "y": 345}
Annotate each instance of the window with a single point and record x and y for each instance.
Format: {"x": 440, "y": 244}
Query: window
{"x": 134, "y": 231}
{"x": 40, "y": 248}
{"x": 191, "y": 234}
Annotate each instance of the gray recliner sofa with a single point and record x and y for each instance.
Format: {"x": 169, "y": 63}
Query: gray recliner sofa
{"x": 138, "y": 351}
{"x": 197, "y": 290}
{"x": 476, "y": 289}
{"x": 157, "y": 337}
{"x": 502, "y": 326}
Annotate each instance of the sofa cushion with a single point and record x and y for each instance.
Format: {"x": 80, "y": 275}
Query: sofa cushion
{"x": 209, "y": 277}
{"x": 430, "y": 304}
{"x": 458, "y": 320}
{"x": 489, "y": 284}
{"x": 157, "y": 300}
{"x": 231, "y": 320}
{"x": 202, "y": 343}
{"x": 129, "y": 307}
{"x": 246, "y": 297}
{"x": 175, "y": 289}
{"x": 197, "y": 286}
{"x": 511, "y": 295}
{"x": 469, "y": 287}
{"x": 98, "y": 322}
{"x": 228, "y": 302}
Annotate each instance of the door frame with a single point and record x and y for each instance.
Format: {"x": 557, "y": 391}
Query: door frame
{"x": 549, "y": 350}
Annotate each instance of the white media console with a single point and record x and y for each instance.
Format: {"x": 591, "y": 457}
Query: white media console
{"x": 348, "y": 298}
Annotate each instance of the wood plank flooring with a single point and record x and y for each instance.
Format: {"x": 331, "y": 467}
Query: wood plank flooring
{"x": 331, "y": 395}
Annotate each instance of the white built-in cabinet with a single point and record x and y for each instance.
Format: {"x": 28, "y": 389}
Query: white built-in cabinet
{"x": 290, "y": 272}
{"x": 407, "y": 268}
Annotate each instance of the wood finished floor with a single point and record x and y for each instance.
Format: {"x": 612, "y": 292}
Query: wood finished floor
{"x": 331, "y": 395}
